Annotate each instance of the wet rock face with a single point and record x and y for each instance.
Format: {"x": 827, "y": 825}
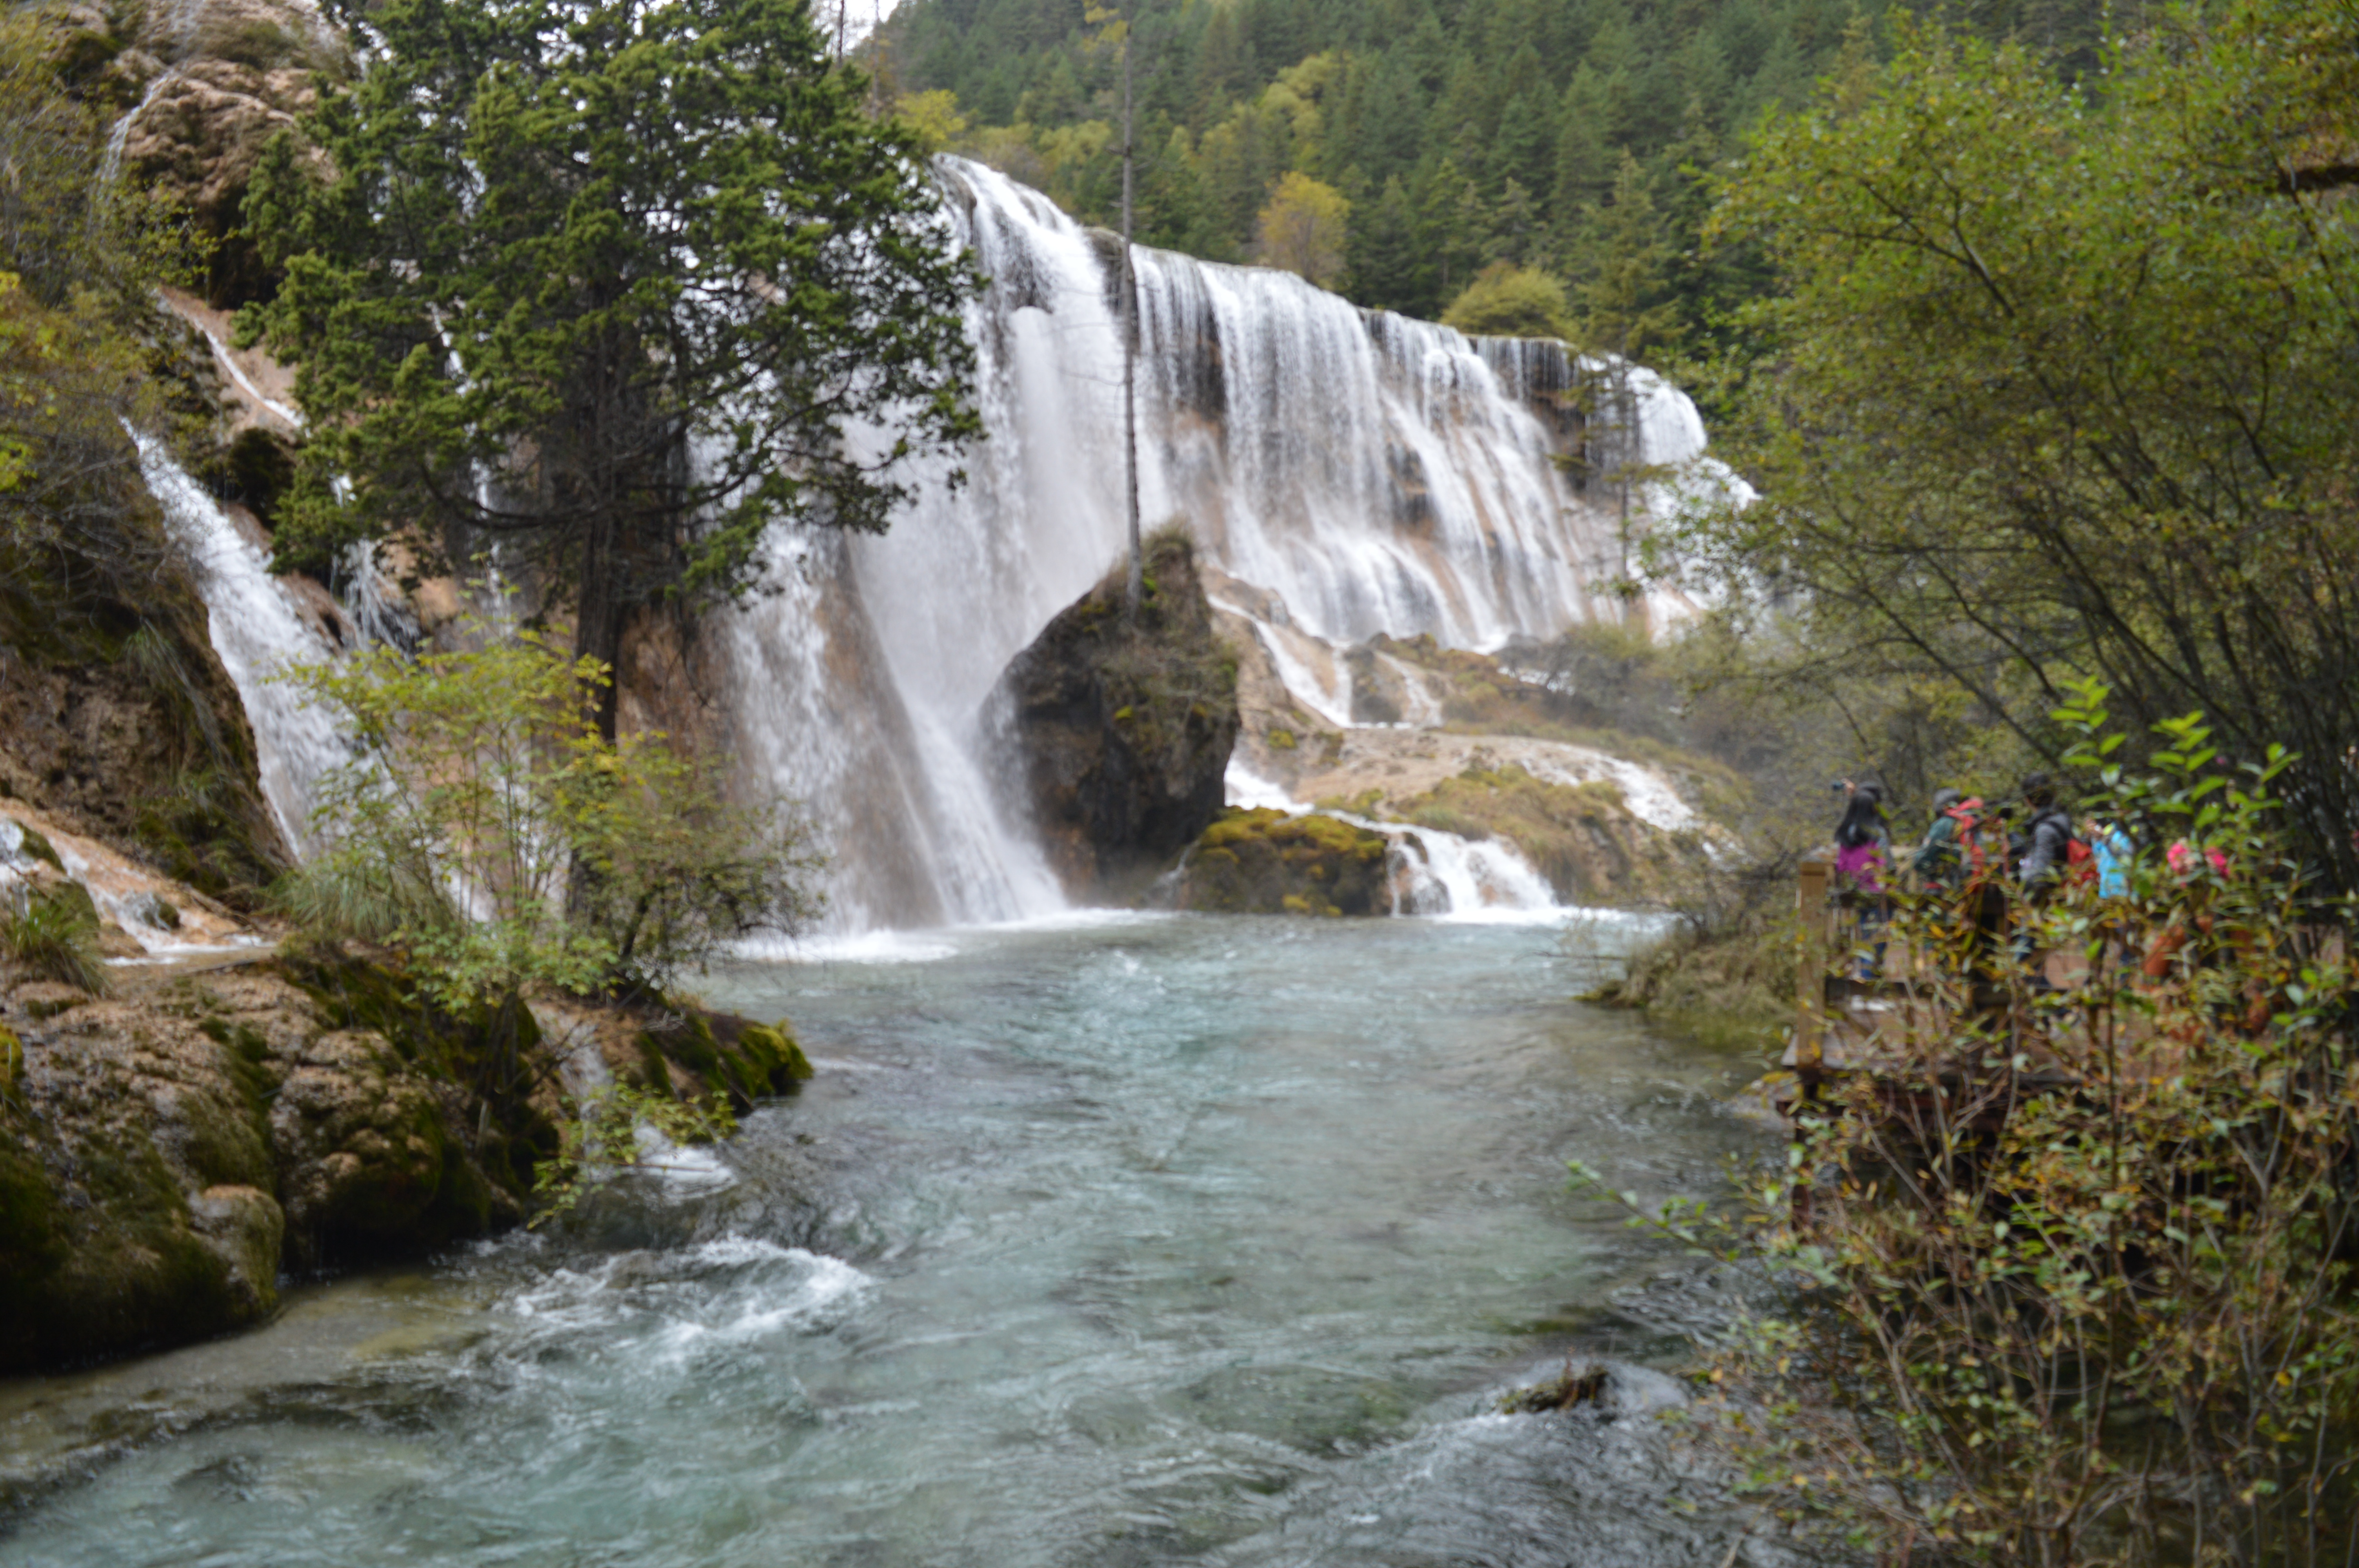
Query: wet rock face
{"x": 199, "y": 139}
{"x": 165, "y": 1154}
{"x": 212, "y": 82}
{"x": 1122, "y": 735}
{"x": 1582, "y": 838}
{"x": 1267, "y": 862}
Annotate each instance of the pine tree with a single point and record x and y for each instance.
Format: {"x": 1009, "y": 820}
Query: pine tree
{"x": 1388, "y": 266}
{"x": 1513, "y": 233}
{"x": 1625, "y": 315}
{"x": 611, "y": 281}
{"x": 1584, "y": 159}
{"x": 1454, "y": 220}
{"x": 1525, "y": 150}
{"x": 1175, "y": 208}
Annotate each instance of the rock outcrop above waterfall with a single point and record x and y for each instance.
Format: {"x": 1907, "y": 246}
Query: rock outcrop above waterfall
{"x": 1121, "y": 734}
{"x": 1269, "y": 862}
{"x": 208, "y": 84}
{"x": 1595, "y": 850}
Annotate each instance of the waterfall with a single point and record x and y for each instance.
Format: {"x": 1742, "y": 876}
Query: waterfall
{"x": 1367, "y": 472}
{"x": 257, "y": 631}
{"x": 1348, "y": 472}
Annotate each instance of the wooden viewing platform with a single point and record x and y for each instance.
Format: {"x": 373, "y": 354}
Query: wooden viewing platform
{"x": 1845, "y": 1025}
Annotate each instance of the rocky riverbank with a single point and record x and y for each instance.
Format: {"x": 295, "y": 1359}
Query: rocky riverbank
{"x": 173, "y": 1147}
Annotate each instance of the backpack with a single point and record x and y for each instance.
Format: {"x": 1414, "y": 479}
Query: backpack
{"x": 2080, "y": 860}
{"x": 1973, "y": 849}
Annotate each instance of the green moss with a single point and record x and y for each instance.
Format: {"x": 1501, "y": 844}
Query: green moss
{"x": 1264, "y": 861}
{"x": 32, "y": 1240}
{"x": 699, "y": 1054}
{"x": 779, "y": 1055}
{"x": 1280, "y": 739}
{"x": 653, "y": 1072}
{"x": 33, "y": 842}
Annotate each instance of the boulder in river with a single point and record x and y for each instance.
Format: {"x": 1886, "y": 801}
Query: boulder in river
{"x": 1267, "y": 862}
{"x": 1122, "y": 733}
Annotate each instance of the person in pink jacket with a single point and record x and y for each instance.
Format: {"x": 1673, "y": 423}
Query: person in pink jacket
{"x": 1863, "y": 856}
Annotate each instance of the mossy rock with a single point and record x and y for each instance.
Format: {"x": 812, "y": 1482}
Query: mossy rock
{"x": 1264, "y": 861}
{"x": 697, "y": 1054}
{"x": 29, "y": 841}
{"x": 431, "y": 1132}
{"x": 775, "y": 1052}
{"x": 1121, "y": 727}
{"x": 113, "y": 1257}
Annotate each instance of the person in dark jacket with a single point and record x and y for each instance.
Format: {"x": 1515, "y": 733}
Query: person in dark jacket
{"x": 2047, "y": 838}
{"x": 2046, "y": 843}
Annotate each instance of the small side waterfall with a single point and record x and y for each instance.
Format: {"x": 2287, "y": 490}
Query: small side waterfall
{"x": 257, "y": 632}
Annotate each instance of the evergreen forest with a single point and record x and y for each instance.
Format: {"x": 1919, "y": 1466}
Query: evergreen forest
{"x": 1571, "y": 139}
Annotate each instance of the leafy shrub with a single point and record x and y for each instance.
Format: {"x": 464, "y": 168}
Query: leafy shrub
{"x": 1509, "y": 301}
{"x": 2067, "y": 1275}
{"x": 488, "y": 830}
{"x": 55, "y": 938}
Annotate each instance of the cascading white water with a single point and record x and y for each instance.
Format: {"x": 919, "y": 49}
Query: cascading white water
{"x": 1367, "y": 472}
{"x": 257, "y": 632}
{"x": 1372, "y": 473}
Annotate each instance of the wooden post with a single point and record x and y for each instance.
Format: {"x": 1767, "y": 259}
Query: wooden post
{"x": 1809, "y": 1011}
{"x": 1811, "y": 976}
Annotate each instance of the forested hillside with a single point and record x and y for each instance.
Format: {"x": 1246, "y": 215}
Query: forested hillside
{"x": 1433, "y": 137}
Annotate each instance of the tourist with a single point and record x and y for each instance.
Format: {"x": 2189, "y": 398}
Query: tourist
{"x": 1941, "y": 860}
{"x": 2047, "y": 851}
{"x": 2111, "y": 852}
{"x": 1862, "y": 850}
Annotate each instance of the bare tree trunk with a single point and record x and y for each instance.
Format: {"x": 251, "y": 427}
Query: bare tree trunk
{"x": 1137, "y": 584}
{"x": 598, "y": 631}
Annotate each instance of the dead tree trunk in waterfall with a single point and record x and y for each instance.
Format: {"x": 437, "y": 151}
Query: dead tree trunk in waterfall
{"x": 1136, "y": 581}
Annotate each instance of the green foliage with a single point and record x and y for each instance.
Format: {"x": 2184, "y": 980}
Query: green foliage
{"x": 1303, "y": 228}
{"x": 50, "y": 932}
{"x": 609, "y": 1134}
{"x": 79, "y": 256}
{"x": 2057, "y": 384}
{"x": 486, "y": 828}
{"x": 2071, "y": 1284}
{"x": 1463, "y": 132}
{"x": 612, "y": 281}
{"x": 1509, "y": 301}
